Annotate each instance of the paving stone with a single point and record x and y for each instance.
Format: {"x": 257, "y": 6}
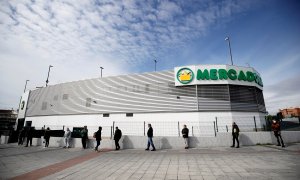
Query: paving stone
{"x": 255, "y": 162}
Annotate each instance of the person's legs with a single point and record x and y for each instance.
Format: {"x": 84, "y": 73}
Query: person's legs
{"x": 66, "y": 143}
{"x": 117, "y": 144}
{"x": 83, "y": 142}
{"x": 233, "y": 140}
{"x": 186, "y": 142}
{"x": 30, "y": 141}
{"x": 237, "y": 140}
{"x": 98, "y": 144}
{"x": 47, "y": 142}
{"x": 282, "y": 143}
{"x": 22, "y": 140}
{"x": 27, "y": 141}
{"x": 151, "y": 142}
{"x": 148, "y": 144}
{"x": 19, "y": 140}
{"x": 278, "y": 142}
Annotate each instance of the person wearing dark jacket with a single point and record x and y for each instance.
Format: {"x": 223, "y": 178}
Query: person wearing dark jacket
{"x": 235, "y": 135}
{"x": 84, "y": 136}
{"x": 185, "y": 135}
{"x": 21, "y": 136}
{"x": 29, "y": 135}
{"x": 98, "y": 138}
{"x": 277, "y": 132}
{"x": 47, "y": 136}
{"x": 150, "y": 136}
{"x": 117, "y": 137}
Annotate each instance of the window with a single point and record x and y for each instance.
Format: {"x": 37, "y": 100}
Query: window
{"x": 88, "y": 102}
{"x": 129, "y": 114}
{"x": 44, "y": 105}
{"x": 65, "y": 96}
{"x": 147, "y": 88}
{"x": 105, "y": 115}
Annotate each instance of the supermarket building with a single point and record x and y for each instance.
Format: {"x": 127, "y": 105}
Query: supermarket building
{"x": 198, "y": 95}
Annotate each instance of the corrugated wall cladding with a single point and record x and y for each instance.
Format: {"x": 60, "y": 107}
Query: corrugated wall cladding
{"x": 149, "y": 92}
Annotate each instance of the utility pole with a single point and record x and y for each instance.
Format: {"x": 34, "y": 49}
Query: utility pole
{"x": 101, "y": 70}
{"x": 48, "y": 75}
{"x": 227, "y": 39}
{"x": 25, "y": 85}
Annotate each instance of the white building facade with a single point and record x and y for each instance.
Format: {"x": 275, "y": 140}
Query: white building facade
{"x": 207, "y": 98}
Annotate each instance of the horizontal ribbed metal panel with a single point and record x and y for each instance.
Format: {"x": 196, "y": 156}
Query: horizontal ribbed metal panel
{"x": 148, "y": 92}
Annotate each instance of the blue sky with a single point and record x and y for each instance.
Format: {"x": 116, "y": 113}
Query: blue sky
{"x": 126, "y": 36}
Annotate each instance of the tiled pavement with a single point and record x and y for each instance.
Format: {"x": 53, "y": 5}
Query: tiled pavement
{"x": 16, "y": 160}
{"x": 251, "y": 162}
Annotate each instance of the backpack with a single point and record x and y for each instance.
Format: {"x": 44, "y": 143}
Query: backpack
{"x": 94, "y": 136}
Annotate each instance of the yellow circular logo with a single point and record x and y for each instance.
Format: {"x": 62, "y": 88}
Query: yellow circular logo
{"x": 185, "y": 75}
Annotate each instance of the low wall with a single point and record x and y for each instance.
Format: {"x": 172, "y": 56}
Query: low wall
{"x": 140, "y": 142}
{"x": 4, "y": 139}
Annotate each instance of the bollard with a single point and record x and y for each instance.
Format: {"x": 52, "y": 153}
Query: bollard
{"x": 178, "y": 130}
{"x": 111, "y": 132}
{"x": 113, "y": 127}
{"x": 144, "y": 128}
{"x": 226, "y": 128}
{"x": 215, "y": 129}
{"x": 217, "y": 124}
{"x": 192, "y": 130}
{"x": 255, "y": 123}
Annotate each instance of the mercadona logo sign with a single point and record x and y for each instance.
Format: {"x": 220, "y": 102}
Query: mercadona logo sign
{"x": 186, "y": 75}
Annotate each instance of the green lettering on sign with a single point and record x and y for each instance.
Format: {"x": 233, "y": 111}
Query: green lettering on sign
{"x": 258, "y": 80}
{"x": 222, "y": 74}
{"x": 242, "y": 76}
{"x": 250, "y": 76}
{"x": 213, "y": 74}
{"x": 202, "y": 76}
{"x": 232, "y": 74}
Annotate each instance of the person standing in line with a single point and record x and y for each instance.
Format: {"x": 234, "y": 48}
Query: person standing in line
{"x": 98, "y": 138}
{"x": 277, "y": 132}
{"x": 21, "y": 137}
{"x": 235, "y": 135}
{"x": 47, "y": 136}
{"x": 29, "y": 134}
{"x": 84, "y": 136}
{"x": 150, "y": 136}
{"x": 185, "y": 135}
{"x": 117, "y": 137}
{"x": 67, "y": 137}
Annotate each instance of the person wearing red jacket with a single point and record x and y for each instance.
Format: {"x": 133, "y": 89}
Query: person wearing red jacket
{"x": 277, "y": 132}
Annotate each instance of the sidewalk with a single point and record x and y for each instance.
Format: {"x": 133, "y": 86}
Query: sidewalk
{"x": 249, "y": 162}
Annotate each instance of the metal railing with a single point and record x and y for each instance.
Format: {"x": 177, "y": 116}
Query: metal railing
{"x": 199, "y": 128}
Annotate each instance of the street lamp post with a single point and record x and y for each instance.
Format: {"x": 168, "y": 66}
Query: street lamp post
{"x": 50, "y": 66}
{"x": 155, "y": 61}
{"x": 101, "y": 70}
{"x": 25, "y": 85}
{"x": 227, "y": 39}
